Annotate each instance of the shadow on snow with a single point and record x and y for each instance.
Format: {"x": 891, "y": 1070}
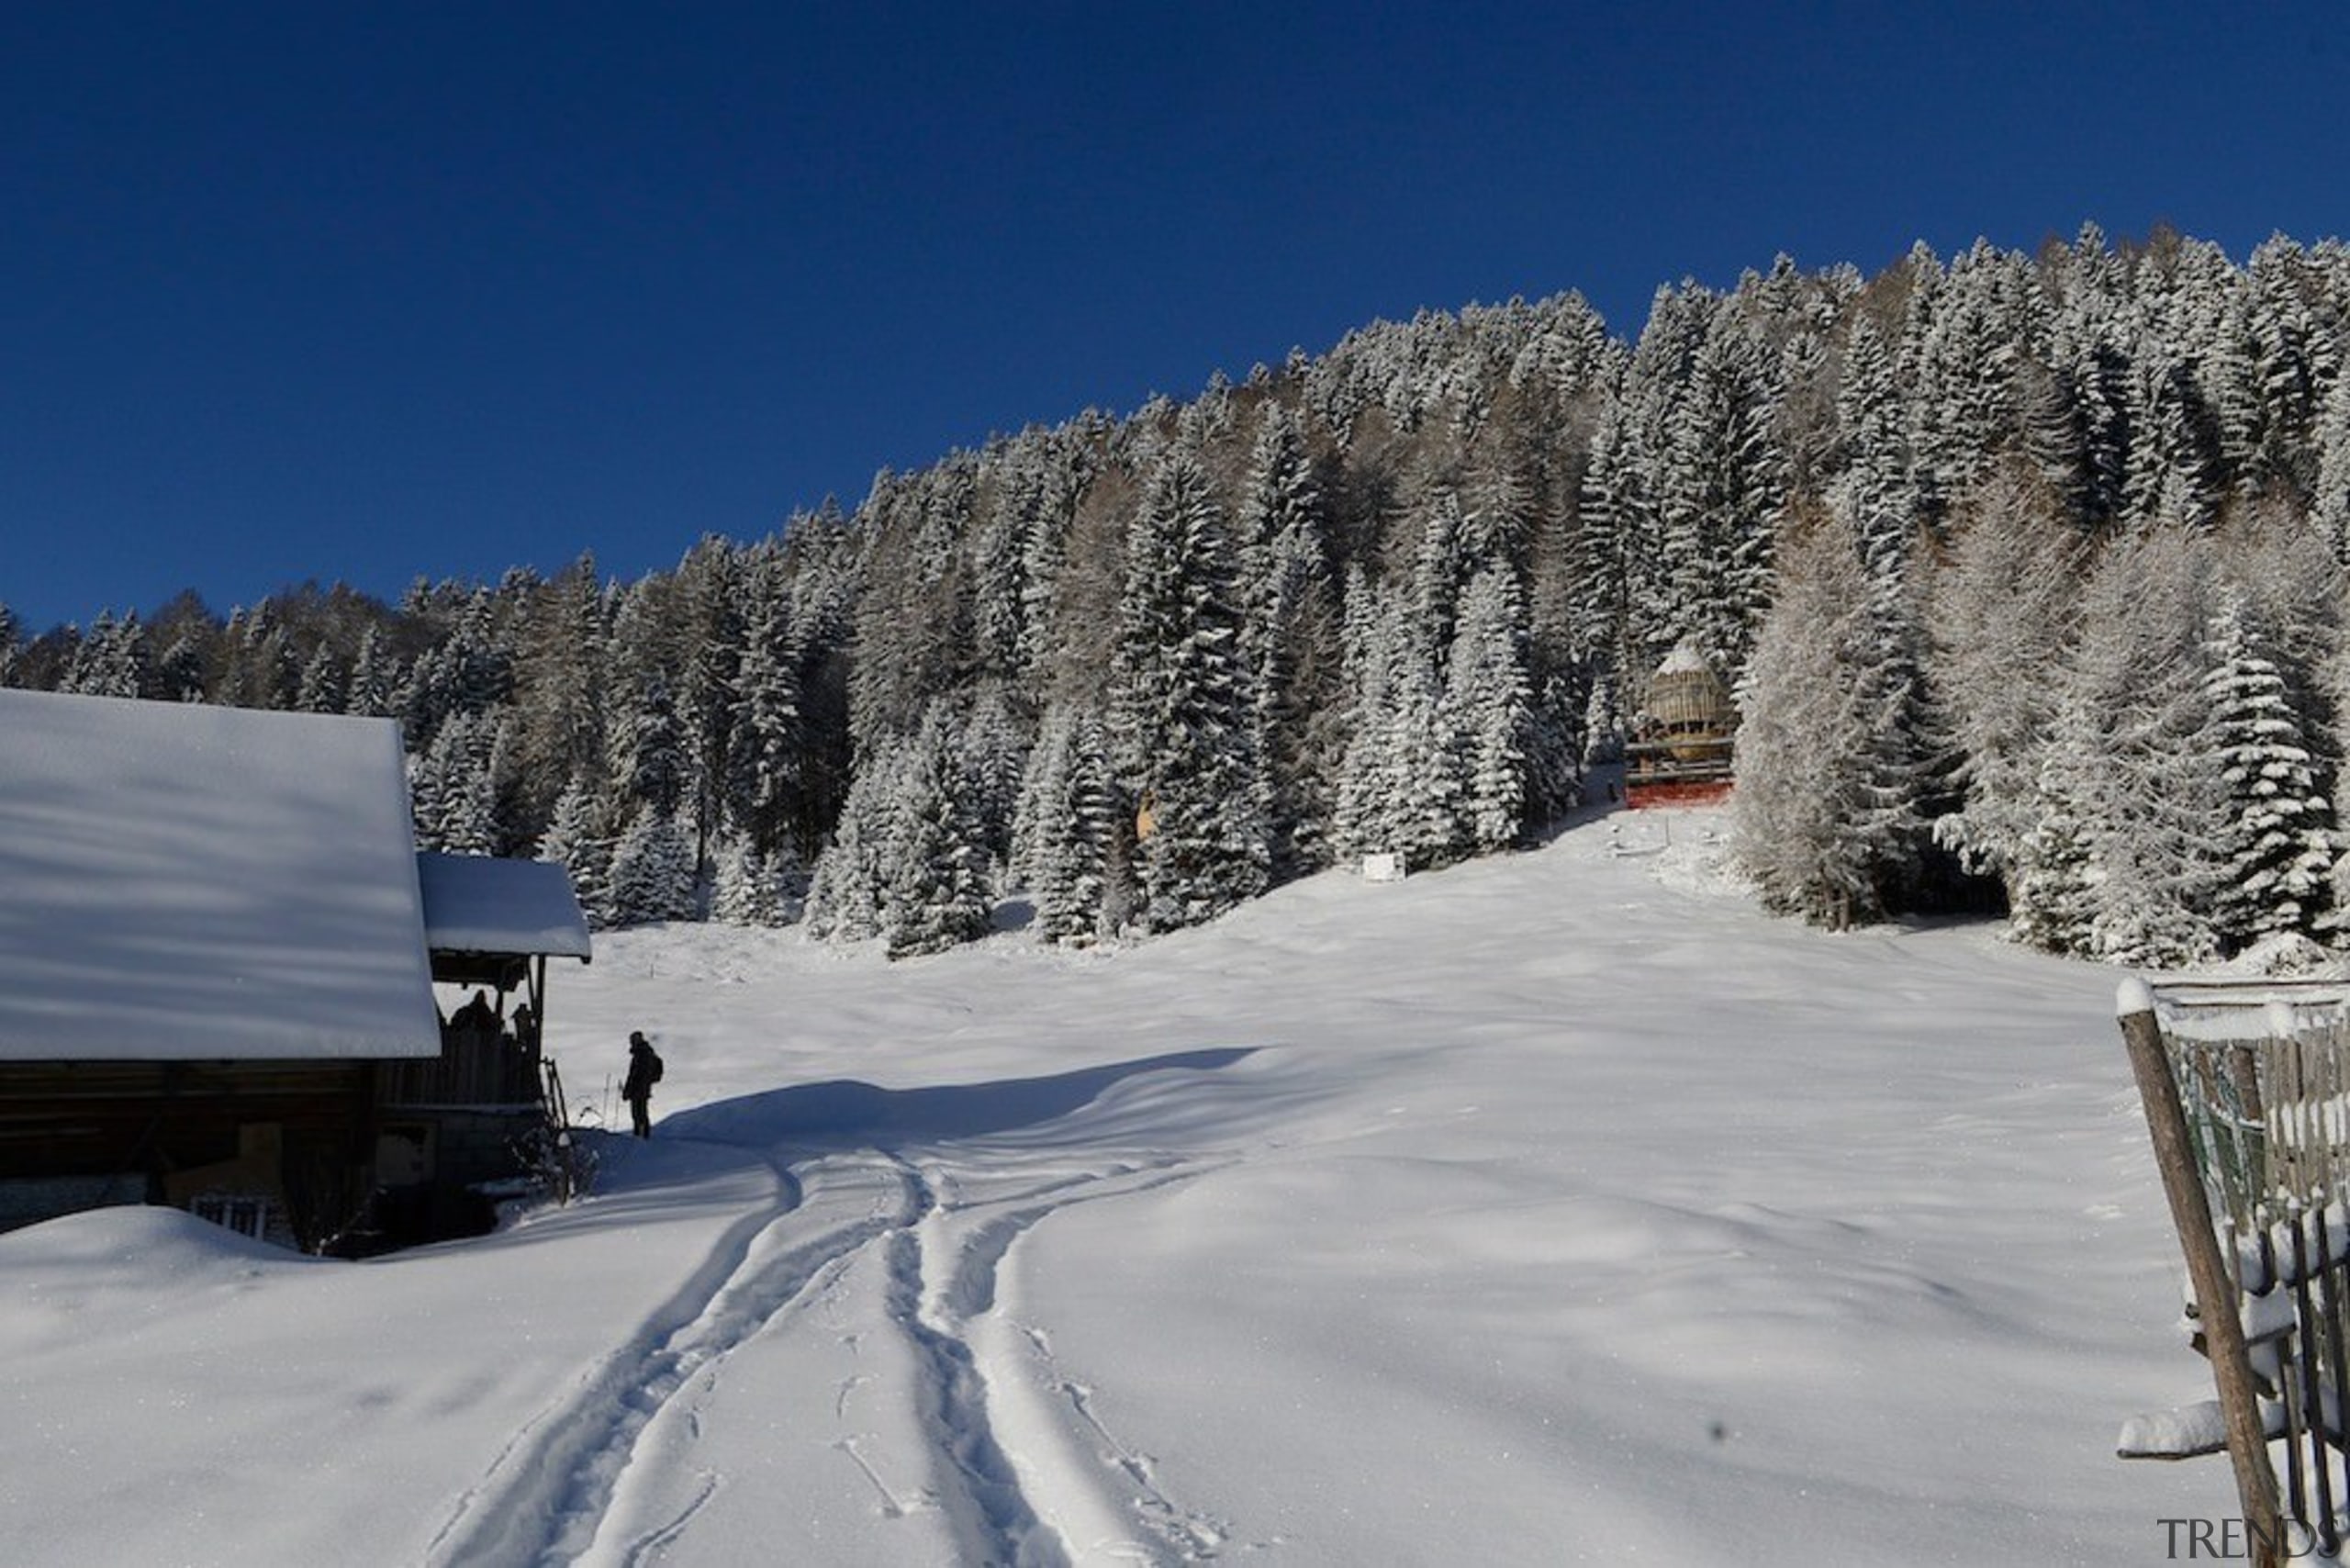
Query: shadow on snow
{"x": 846, "y": 1114}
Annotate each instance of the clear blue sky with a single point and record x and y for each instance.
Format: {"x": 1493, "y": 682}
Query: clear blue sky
{"x": 364, "y": 291}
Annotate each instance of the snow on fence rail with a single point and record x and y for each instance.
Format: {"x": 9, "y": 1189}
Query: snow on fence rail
{"x": 2247, "y": 1086}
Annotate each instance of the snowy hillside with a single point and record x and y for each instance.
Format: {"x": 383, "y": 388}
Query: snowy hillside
{"x": 1557, "y": 1207}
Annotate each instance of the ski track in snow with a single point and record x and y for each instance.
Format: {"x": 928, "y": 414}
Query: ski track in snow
{"x": 546, "y": 1497}
{"x": 546, "y": 1494}
{"x": 944, "y": 1272}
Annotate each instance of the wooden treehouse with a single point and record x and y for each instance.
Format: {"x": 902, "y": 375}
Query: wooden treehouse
{"x": 1684, "y": 730}
{"x": 216, "y": 987}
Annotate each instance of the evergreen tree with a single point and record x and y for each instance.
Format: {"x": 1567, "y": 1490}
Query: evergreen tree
{"x": 453, "y": 788}
{"x": 937, "y": 894}
{"x": 2330, "y": 509}
{"x": 1184, "y": 707}
{"x": 1069, "y": 828}
{"x": 578, "y": 839}
{"x": 753, "y": 888}
{"x": 649, "y": 761}
{"x": 653, "y": 870}
{"x": 374, "y": 678}
{"x": 1490, "y": 698}
{"x": 846, "y": 892}
{"x": 2274, "y": 843}
{"x": 112, "y": 660}
{"x": 766, "y": 786}
{"x": 323, "y": 690}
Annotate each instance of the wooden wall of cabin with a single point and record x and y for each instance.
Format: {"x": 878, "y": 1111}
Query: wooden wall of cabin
{"x": 160, "y": 1124}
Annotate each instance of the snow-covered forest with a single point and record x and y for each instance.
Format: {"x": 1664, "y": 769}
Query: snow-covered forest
{"x": 2026, "y": 569}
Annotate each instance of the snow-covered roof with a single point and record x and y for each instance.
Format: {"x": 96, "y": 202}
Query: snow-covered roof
{"x": 187, "y": 882}
{"x": 1684, "y": 659}
{"x": 475, "y": 903}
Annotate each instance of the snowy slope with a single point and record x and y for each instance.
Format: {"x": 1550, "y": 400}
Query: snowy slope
{"x": 1554, "y": 1208}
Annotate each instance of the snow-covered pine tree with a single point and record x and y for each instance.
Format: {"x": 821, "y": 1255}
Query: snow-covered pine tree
{"x": 1722, "y": 498}
{"x": 1184, "y": 706}
{"x": 992, "y": 744}
{"x": 1068, "y": 827}
{"x": 1290, "y": 636}
{"x": 763, "y": 778}
{"x": 454, "y": 788}
{"x": 2277, "y": 843}
{"x": 112, "y": 660}
{"x": 324, "y": 679}
{"x": 847, "y": 891}
{"x": 1490, "y": 700}
{"x": 562, "y": 668}
{"x": 751, "y": 888}
{"x": 373, "y": 676}
{"x": 937, "y": 893}
{"x": 649, "y": 762}
{"x": 1871, "y": 414}
{"x": 2330, "y": 507}
{"x": 579, "y": 840}
{"x": 653, "y": 870}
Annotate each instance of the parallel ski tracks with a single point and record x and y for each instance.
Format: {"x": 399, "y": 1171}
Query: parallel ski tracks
{"x": 547, "y": 1494}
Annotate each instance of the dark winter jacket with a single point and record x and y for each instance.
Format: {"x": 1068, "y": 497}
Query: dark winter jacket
{"x": 643, "y": 1072}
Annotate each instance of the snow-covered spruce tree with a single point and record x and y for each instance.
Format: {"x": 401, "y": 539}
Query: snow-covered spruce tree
{"x": 1067, "y": 827}
{"x": 764, "y": 784}
{"x": 324, "y": 684}
{"x": 1182, "y": 706}
{"x": 847, "y": 891}
{"x": 1398, "y": 782}
{"x": 375, "y": 675}
{"x": 1291, "y": 638}
{"x": 454, "y": 788}
{"x": 936, "y": 893}
{"x": 653, "y": 870}
{"x": 1824, "y": 816}
{"x": 112, "y": 661}
{"x": 2330, "y": 507}
{"x": 2277, "y": 843}
{"x": 578, "y": 839}
{"x": 562, "y": 667}
{"x": 708, "y": 607}
{"x": 1491, "y": 702}
{"x": 1722, "y": 496}
{"x": 751, "y": 888}
{"x": 649, "y": 764}
{"x": 993, "y": 746}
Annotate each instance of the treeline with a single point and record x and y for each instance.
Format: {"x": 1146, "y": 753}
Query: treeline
{"x": 1396, "y": 596}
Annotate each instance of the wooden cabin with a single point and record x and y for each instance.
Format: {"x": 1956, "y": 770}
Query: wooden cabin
{"x": 455, "y": 1129}
{"x": 1684, "y": 729}
{"x": 213, "y": 961}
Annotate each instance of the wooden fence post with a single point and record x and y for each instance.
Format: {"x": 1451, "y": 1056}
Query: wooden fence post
{"x": 2215, "y": 1289}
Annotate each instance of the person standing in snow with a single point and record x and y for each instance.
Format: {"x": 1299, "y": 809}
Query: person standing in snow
{"x": 643, "y": 1072}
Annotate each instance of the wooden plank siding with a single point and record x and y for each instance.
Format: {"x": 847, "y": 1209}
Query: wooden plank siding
{"x": 485, "y": 1069}
{"x": 156, "y": 1120}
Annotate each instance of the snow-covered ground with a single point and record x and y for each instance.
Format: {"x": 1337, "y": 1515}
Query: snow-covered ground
{"x": 1555, "y": 1208}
